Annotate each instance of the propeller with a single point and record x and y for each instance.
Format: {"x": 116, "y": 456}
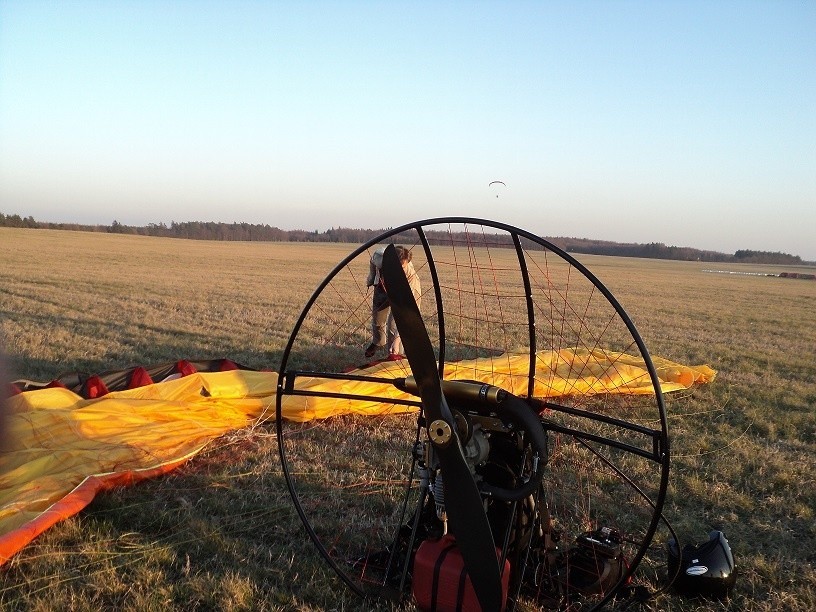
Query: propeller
{"x": 466, "y": 517}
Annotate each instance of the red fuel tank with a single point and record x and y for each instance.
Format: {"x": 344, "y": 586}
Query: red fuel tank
{"x": 440, "y": 582}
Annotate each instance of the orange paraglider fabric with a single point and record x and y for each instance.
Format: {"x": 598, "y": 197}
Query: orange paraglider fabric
{"x": 60, "y": 449}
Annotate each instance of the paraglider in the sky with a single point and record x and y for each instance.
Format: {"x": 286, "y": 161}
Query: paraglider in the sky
{"x": 496, "y": 183}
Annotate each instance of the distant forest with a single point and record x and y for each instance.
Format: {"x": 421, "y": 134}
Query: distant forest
{"x": 201, "y": 230}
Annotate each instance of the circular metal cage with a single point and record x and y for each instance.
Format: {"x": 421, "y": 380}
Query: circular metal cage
{"x": 506, "y": 308}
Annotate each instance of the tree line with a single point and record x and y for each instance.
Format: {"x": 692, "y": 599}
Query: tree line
{"x": 210, "y": 230}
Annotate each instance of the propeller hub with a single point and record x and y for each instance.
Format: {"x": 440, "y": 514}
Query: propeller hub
{"x": 440, "y": 433}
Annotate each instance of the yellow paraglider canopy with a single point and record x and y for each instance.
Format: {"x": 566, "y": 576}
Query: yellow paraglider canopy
{"x": 61, "y": 449}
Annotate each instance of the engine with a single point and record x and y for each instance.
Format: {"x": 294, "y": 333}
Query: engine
{"x": 505, "y": 448}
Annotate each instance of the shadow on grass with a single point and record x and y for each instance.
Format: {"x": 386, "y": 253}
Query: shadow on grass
{"x": 219, "y": 533}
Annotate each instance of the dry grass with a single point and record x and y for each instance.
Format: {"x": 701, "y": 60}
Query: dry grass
{"x": 220, "y": 533}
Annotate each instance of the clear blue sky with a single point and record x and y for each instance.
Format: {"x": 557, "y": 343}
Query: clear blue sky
{"x": 688, "y": 123}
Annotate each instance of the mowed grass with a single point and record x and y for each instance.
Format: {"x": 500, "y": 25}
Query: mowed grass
{"x": 221, "y": 534}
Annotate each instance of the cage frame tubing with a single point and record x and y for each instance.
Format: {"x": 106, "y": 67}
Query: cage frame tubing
{"x": 290, "y": 377}
{"x": 531, "y": 320}
{"x": 657, "y": 448}
{"x": 654, "y": 455}
{"x": 440, "y": 310}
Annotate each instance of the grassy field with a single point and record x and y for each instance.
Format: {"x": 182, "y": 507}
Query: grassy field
{"x": 220, "y": 533}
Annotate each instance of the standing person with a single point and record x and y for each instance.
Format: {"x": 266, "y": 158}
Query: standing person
{"x": 383, "y": 327}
